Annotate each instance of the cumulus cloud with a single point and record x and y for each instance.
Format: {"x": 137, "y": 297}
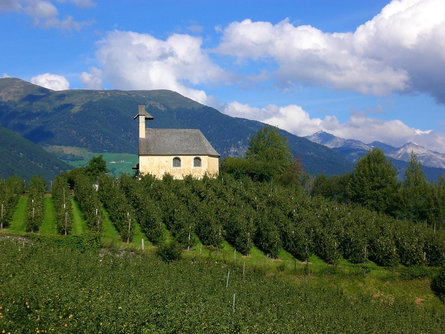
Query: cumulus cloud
{"x": 93, "y": 79}
{"x": 359, "y": 126}
{"x": 45, "y": 13}
{"x": 402, "y": 49}
{"x": 131, "y": 60}
{"x": 51, "y": 81}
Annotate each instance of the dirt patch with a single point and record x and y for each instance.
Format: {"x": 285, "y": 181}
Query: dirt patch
{"x": 419, "y": 301}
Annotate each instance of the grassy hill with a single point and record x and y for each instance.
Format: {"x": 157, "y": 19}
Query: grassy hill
{"x": 25, "y": 159}
{"x": 102, "y": 121}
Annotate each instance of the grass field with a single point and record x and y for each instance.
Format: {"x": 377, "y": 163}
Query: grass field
{"x": 18, "y": 223}
{"x": 117, "y": 163}
{"x": 49, "y": 219}
{"x": 79, "y": 224}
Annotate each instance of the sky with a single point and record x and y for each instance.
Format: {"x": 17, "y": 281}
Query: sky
{"x": 370, "y": 70}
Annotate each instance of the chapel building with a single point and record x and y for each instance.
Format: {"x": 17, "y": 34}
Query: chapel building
{"x": 178, "y": 152}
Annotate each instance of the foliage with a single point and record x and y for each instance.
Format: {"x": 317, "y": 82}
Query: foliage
{"x": 10, "y": 191}
{"x": 62, "y": 204}
{"x": 117, "y": 206}
{"x": 88, "y": 200}
{"x": 374, "y": 183}
{"x": 170, "y": 251}
{"x": 146, "y": 210}
{"x": 105, "y": 292}
{"x": 438, "y": 284}
{"x": 17, "y": 152}
{"x": 36, "y": 193}
{"x": 96, "y": 167}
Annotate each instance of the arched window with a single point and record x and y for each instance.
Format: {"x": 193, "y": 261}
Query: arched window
{"x": 197, "y": 162}
{"x": 176, "y": 162}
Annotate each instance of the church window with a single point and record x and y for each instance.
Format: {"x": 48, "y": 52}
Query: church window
{"x": 197, "y": 162}
{"x": 176, "y": 162}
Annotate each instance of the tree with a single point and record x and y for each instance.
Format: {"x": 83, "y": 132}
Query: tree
{"x": 96, "y": 166}
{"x": 415, "y": 192}
{"x": 267, "y": 158}
{"x": 269, "y": 148}
{"x": 374, "y": 183}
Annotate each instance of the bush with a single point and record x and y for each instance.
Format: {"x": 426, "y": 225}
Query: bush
{"x": 438, "y": 284}
{"x": 169, "y": 252}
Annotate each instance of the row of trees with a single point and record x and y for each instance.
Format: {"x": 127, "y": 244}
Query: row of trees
{"x": 10, "y": 191}
{"x": 36, "y": 193}
{"x": 271, "y": 217}
{"x": 61, "y": 194}
{"x": 374, "y": 185}
{"x": 117, "y": 206}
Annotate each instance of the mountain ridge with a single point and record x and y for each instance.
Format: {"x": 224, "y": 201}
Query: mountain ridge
{"x": 102, "y": 121}
{"x": 433, "y": 163}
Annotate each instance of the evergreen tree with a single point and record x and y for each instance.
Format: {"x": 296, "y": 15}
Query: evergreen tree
{"x": 415, "y": 192}
{"x": 374, "y": 183}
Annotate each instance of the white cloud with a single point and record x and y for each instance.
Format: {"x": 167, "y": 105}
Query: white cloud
{"x": 45, "y": 13}
{"x": 401, "y": 49}
{"x": 92, "y": 80}
{"x": 80, "y": 3}
{"x": 359, "y": 126}
{"x": 51, "y": 81}
{"x": 131, "y": 60}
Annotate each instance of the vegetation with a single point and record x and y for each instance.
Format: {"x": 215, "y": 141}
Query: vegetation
{"x": 83, "y": 292}
{"x": 17, "y": 152}
{"x": 36, "y": 191}
{"x": 10, "y": 191}
{"x": 62, "y": 202}
{"x": 117, "y": 206}
{"x": 88, "y": 200}
{"x": 374, "y": 185}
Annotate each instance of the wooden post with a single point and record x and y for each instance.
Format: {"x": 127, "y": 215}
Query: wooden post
{"x": 1, "y": 227}
{"x": 233, "y": 304}
{"x": 129, "y": 227}
{"x": 66, "y": 219}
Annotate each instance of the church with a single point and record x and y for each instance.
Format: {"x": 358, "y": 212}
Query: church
{"x": 178, "y": 152}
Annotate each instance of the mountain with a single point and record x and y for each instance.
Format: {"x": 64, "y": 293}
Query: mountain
{"x": 102, "y": 121}
{"x": 433, "y": 163}
{"x": 25, "y": 159}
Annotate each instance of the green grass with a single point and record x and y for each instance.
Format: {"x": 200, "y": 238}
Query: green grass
{"x": 138, "y": 235}
{"x": 79, "y": 224}
{"x": 18, "y": 223}
{"x": 110, "y": 236}
{"x": 117, "y": 163}
{"x": 49, "y": 219}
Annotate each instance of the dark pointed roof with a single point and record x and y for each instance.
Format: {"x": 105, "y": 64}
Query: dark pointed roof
{"x": 175, "y": 142}
{"x": 143, "y": 112}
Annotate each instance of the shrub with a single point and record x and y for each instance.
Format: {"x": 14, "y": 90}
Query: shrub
{"x": 169, "y": 252}
{"x": 438, "y": 284}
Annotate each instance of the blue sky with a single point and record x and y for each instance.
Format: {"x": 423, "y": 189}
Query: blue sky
{"x": 368, "y": 70}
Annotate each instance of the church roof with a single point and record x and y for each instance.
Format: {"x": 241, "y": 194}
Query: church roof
{"x": 175, "y": 142}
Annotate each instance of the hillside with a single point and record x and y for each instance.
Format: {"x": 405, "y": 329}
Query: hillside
{"x": 102, "y": 121}
{"x": 25, "y": 159}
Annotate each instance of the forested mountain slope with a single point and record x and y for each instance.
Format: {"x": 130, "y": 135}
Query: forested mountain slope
{"x": 25, "y": 159}
{"x": 102, "y": 121}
